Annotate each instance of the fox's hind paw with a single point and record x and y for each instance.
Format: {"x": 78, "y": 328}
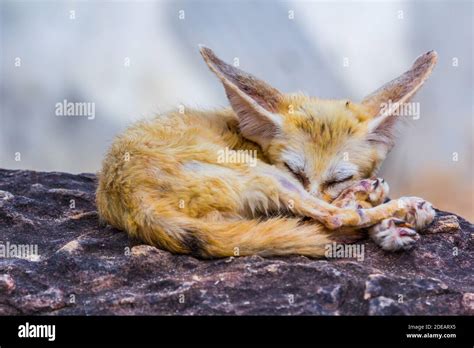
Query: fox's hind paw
{"x": 398, "y": 233}
{"x": 393, "y": 235}
{"x": 364, "y": 194}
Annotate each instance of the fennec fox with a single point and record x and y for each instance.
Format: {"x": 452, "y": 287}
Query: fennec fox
{"x": 275, "y": 174}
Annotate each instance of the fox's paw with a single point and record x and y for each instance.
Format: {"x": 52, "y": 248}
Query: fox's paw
{"x": 393, "y": 235}
{"x": 416, "y": 211}
{"x": 376, "y": 190}
{"x": 372, "y": 191}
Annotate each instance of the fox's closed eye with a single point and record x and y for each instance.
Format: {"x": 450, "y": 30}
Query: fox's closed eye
{"x": 338, "y": 181}
{"x": 298, "y": 175}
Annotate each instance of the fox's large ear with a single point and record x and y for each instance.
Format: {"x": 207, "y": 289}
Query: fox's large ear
{"x": 386, "y": 101}
{"x": 255, "y": 102}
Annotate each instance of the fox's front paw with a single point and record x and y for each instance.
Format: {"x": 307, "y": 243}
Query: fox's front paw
{"x": 371, "y": 191}
{"x": 416, "y": 211}
{"x": 393, "y": 235}
{"x": 376, "y": 190}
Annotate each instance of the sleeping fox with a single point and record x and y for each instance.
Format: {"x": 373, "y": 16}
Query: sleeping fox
{"x": 273, "y": 174}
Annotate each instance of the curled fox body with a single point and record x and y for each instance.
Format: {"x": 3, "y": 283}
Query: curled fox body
{"x": 273, "y": 174}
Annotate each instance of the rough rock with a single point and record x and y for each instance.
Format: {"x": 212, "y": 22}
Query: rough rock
{"x": 82, "y": 267}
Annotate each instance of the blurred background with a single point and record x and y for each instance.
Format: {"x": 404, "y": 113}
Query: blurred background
{"x": 134, "y": 59}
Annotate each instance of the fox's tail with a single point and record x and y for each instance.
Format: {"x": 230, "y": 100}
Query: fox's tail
{"x": 221, "y": 237}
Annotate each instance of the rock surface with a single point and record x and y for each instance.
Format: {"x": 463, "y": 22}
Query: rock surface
{"x": 83, "y": 268}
